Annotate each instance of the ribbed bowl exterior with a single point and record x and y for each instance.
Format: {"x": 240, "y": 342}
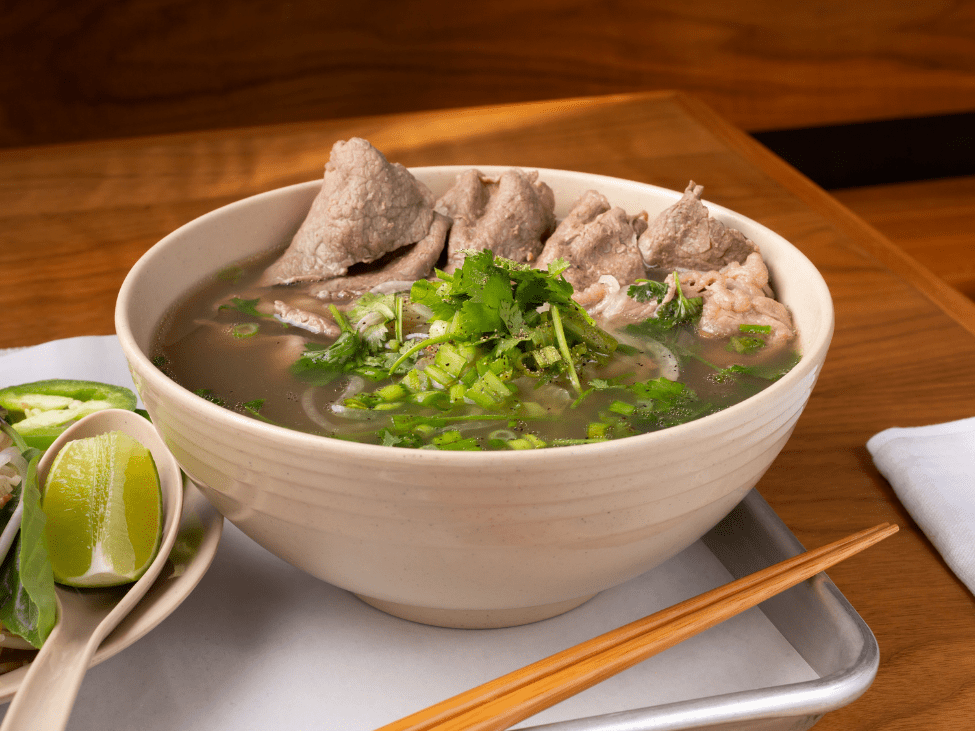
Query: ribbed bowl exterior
{"x": 455, "y": 532}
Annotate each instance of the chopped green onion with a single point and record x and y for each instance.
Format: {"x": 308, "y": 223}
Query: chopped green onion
{"x": 399, "y": 319}
{"x": 544, "y": 357}
{"x": 244, "y": 330}
{"x": 393, "y": 392}
{"x": 438, "y": 374}
{"x": 744, "y": 345}
{"x": 597, "y": 429}
{"x": 622, "y": 407}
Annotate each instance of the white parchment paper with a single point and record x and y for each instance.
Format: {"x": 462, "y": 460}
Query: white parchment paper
{"x": 261, "y": 645}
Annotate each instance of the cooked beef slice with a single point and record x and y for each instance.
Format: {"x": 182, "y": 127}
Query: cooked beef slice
{"x": 404, "y": 267}
{"x": 596, "y": 238}
{"x": 737, "y": 294}
{"x": 510, "y": 215}
{"x": 312, "y": 321}
{"x": 366, "y": 208}
{"x": 607, "y": 301}
{"x": 685, "y": 236}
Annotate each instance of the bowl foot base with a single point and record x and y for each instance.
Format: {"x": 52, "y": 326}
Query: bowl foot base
{"x": 474, "y": 618}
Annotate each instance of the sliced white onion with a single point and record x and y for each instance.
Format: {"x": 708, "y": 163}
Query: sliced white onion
{"x": 351, "y": 419}
{"x": 664, "y": 358}
{"x": 308, "y": 404}
{"x": 354, "y": 386}
{"x": 393, "y": 286}
{"x": 13, "y": 457}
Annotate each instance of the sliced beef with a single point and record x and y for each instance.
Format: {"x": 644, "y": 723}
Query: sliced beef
{"x": 311, "y": 321}
{"x": 405, "y": 266}
{"x": 596, "y": 238}
{"x": 685, "y": 236}
{"x": 607, "y": 301}
{"x": 737, "y": 294}
{"x": 366, "y": 208}
{"x": 511, "y": 215}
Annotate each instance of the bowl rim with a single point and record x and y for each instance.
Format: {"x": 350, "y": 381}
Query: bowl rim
{"x": 812, "y": 356}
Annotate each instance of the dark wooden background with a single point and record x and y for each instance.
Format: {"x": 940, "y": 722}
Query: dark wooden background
{"x": 91, "y": 69}
{"x": 862, "y": 96}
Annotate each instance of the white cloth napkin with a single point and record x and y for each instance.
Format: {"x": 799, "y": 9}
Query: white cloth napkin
{"x": 932, "y": 470}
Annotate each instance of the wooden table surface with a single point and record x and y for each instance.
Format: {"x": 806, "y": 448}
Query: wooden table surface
{"x": 74, "y": 218}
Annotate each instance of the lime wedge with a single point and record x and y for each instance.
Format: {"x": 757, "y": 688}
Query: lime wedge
{"x": 103, "y": 506}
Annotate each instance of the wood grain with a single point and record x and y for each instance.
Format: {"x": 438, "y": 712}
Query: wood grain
{"x": 73, "y": 218}
{"x": 932, "y": 221}
{"x": 103, "y": 69}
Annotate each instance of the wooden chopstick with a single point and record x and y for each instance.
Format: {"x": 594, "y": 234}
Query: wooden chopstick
{"x": 509, "y": 699}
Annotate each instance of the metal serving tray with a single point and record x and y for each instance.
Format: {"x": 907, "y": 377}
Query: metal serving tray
{"x": 814, "y": 617}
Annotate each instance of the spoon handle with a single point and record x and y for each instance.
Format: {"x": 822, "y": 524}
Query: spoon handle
{"x": 58, "y": 669}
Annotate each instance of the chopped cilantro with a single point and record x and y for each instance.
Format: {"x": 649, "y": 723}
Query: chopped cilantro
{"x": 647, "y": 290}
{"x": 210, "y": 396}
{"x": 680, "y": 309}
{"x": 247, "y": 307}
{"x": 230, "y": 274}
{"x": 244, "y": 330}
{"x": 745, "y": 344}
{"x": 762, "y": 371}
{"x": 489, "y": 324}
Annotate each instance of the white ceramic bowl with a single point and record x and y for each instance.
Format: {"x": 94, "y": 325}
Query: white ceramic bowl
{"x": 465, "y": 539}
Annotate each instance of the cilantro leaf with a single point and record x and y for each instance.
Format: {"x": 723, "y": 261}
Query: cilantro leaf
{"x": 647, "y": 290}
{"x": 745, "y": 345}
{"x": 765, "y": 372}
{"x": 680, "y": 309}
{"x": 247, "y": 307}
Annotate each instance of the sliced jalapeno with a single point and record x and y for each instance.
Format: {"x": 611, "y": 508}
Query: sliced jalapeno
{"x": 41, "y": 410}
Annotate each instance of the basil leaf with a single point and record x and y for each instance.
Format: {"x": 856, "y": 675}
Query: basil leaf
{"x": 28, "y": 605}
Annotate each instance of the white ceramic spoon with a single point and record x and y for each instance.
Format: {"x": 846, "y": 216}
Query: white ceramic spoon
{"x": 86, "y": 616}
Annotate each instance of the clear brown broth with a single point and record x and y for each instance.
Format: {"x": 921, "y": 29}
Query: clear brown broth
{"x": 195, "y": 347}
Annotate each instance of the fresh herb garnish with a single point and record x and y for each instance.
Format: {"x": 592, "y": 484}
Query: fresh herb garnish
{"x": 489, "y": 325}
{"x": 647, "y": 290}
{"x": 28, "y": 604}
{"x": 210, "y": 396}
{"x": 763, "y": 371}
{"x": 744, "y": 344}
{"x": 681, "y": 309}
{"x": 244, "y": 330}
{"x": 246, "y": 307}
{"x": 230, "y": 274}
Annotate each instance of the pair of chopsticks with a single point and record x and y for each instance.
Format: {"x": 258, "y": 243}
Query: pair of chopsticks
{"x": 505, "y": 701}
